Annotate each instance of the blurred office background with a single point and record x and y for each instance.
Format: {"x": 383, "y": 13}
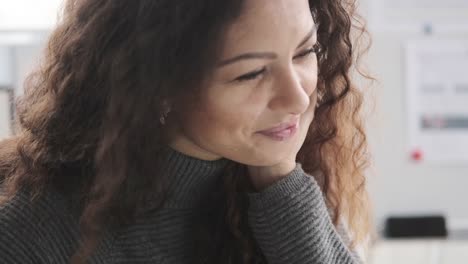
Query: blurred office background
{"x": 419, "y": 178}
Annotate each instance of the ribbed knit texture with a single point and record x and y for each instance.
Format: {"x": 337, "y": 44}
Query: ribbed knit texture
{"x": 289, "y": 220}
{"x": 292, "y": 225}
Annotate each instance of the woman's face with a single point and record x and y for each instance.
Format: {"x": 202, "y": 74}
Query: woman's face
{"x": 266, "y": 75}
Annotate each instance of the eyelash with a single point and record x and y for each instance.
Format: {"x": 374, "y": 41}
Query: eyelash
{"x": 309, "y": 51}
{"x": 253, "y": 75}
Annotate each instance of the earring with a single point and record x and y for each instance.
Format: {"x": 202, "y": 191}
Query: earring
{"x": 166, "y": 110}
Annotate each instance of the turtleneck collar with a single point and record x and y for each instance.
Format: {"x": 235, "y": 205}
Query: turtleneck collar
{"x": 192, "y": 180}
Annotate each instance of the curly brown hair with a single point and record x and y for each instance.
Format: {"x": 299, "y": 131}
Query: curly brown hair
{"x": 86, "y": 128}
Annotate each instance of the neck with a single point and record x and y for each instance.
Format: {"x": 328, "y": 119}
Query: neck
{"x": 191, "y": 179}
{"x": 189, "y": 148}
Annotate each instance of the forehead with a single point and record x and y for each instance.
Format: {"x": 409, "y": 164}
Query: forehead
{"x": 270, "y": 20}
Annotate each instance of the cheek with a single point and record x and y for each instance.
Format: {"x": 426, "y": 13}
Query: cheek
{"x": 226, "y": 126}
{"x": 309, "y": 76}
{"x": 217, "y": 124}
{"x": 231, "y": 115}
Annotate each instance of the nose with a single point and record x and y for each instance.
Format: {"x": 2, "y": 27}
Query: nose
{"x": 292, "y": 92}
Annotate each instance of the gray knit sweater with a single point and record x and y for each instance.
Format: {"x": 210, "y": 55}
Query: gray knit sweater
{"x": 289, "y": 221}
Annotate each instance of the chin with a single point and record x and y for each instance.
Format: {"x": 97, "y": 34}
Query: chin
{"x": 257, "y": 154}
{"x": 264, "y": 160}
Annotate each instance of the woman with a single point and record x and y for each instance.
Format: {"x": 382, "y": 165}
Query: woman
{"x": 189, "y": 132}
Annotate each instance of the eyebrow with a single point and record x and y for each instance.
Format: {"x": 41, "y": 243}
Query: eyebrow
{"x": 264, "y": 55}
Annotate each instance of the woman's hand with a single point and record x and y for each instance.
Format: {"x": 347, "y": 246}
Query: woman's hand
{"x": 264, "y": 176}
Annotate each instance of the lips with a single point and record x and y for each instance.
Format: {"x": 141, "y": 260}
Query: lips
{"x": 279, "y": 128}
{"x": 281, "y": 132}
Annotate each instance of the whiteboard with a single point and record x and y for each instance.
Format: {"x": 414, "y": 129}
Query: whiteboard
{"x": 437, "y": 96}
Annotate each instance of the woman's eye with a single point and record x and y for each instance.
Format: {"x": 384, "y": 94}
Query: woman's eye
{"x": 251, "y": 75}
{"x": 307, "y": 52}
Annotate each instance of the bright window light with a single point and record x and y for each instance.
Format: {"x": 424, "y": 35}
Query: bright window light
{"x": 28, "y": 14}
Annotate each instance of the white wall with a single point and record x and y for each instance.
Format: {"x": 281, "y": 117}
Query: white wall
{"x": 25, "y": 59}
{"x": 6, "y": 73}
{"x": 5, "y": 83}
{"x": 17, "y": 60}
{"x": 400, "y": 186}
{"x": 5, "y": 128}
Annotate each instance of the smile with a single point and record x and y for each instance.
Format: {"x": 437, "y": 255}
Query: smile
{"x": 281, "y": 135}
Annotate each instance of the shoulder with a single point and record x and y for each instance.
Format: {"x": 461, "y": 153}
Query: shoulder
{"x": 31, "y": 226}
{"x": 23, "y": 208}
